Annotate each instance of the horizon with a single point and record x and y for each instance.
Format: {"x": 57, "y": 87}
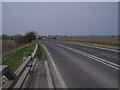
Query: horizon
{"x": 56, "y": 35}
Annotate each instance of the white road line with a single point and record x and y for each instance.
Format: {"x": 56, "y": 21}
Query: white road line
{"x": 37, "y": 78}
{"x": 108, "y": 63}
{"x": 56, "y": 70}
{"x": 95, "y": 47}
{"x": 49, "y": 79}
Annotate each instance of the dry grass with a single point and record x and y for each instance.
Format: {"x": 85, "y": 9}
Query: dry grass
{"x": 101, "y": 40}
{"x": 105, "y": 41}
{"x": 8, "y": 45}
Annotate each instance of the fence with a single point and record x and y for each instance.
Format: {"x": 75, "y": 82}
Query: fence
{"x": 17, "y": 78}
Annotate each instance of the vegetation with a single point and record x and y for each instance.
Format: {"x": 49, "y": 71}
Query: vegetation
{"x": 27, "y": 38}
{"x": 12, "y": 37}
{"x": 15, "y": 58}
{"x": 112, "y": 44}
{"x": 30, "y": 36}
{"x": 21, "y": 39}
{"x": 100, "y": 41}
{"x": 8, "y": 45}
{"x": 40, "y": 53}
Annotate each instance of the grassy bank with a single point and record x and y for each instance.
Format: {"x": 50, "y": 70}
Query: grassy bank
{"x": 111, "y": 44}
{"x": 40, "y": 54}
{"x": 15, "y": 58}
{"x": 94, "y": 42}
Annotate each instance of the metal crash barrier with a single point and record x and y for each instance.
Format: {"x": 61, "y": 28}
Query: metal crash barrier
{"x": 17, "y": 78}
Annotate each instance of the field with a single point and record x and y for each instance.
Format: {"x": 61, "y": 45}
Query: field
{"x": 8, "y": 46}
{"x": 104, "y": 41}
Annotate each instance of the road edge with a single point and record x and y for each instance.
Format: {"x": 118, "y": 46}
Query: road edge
{"x": 58, "y": 81}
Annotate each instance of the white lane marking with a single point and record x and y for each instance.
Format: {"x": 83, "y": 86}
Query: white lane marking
{"x": 37, "y": 77}
{"x": 49, "y": 79}
{"x": 95, "y": 47}
{"x": 56, "y": 70}
{"x": 113, "y": 65}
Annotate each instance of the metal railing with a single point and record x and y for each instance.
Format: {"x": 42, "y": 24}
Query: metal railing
{"x": 17, "y": 78}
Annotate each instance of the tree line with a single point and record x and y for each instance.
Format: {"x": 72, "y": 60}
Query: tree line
{"x": 21, "y": 39}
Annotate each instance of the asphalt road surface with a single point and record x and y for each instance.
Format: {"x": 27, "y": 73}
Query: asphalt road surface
{"x": 83, "y": 66}
{"x": 37, "y": 77}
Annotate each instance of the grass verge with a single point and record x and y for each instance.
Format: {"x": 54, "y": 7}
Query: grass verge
{"x": 94, "y": 42}
{"x": 111, "y": 44}
{"x": 15, "y": 58}
{"x": 40, "y": 54}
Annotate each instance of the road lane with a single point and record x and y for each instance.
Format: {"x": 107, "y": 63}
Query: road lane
{"x": 79, "y": 71}
{"x": 103, "y": 61}
{"x": 111, "y": 56}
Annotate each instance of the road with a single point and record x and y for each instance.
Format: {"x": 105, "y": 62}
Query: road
{"x": 83, "y": 66}
{"x": 37, "y": 77}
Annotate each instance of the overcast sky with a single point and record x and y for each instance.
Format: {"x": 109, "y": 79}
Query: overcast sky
{"x": 77, "y": 18}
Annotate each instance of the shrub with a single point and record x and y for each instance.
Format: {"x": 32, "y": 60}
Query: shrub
{"x": 27, "y": 38}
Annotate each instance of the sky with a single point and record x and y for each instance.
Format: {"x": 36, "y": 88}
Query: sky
{"x": 60, "y": 18}
{"x": 60, "y": 0}
{"x": 0, "y": 18}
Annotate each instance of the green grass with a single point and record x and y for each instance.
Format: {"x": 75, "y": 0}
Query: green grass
{"x": 111, "y": 44}
{"x": 15, "y": 58}
{"x": 40, "y": 53}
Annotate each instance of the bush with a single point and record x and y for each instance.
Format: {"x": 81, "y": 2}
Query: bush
{"x": 27, "y": 38}
{"x": 30, "y": 36}
{"x": 21, "y": 40}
